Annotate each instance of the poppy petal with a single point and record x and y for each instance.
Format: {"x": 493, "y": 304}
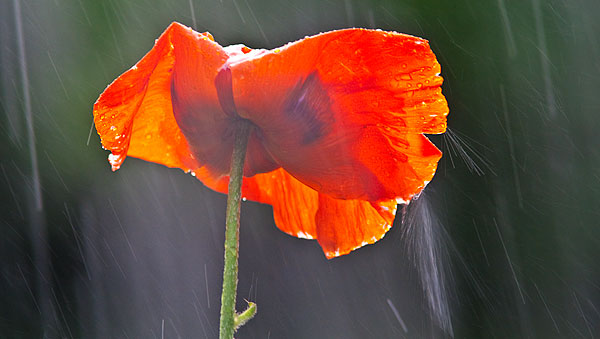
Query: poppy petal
{"x": 204, "y": 108}
{"x": 339, "y": 226}
{"x": 197, "y": 107}
{"x": 345, "y": 225}
{"x": 133, "y": 116}
{"x": 340, "y": 111}
{"x": 294, "y": 204}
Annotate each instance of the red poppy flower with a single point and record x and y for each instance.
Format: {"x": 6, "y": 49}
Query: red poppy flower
{"x": 337, "y": 124}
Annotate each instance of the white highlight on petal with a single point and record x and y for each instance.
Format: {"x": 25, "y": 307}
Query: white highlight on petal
{"x": 402, "y": 201}
{"x": 113, "y": 158}
{"x": 236, "y": 55}
{"x": 304, "y": 235}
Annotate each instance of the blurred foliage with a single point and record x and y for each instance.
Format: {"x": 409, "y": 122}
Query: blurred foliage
{"x": 518, "y": 197}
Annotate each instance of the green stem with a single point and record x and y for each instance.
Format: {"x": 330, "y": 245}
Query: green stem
{"x": 232, "y": 231}
{"x": 242, "y": 318}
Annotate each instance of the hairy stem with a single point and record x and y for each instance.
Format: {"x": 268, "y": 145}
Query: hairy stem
{"x": 232, "y": 231}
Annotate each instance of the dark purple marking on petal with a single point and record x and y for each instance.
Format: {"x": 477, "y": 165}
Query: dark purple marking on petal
{"x": 309, "y": 105}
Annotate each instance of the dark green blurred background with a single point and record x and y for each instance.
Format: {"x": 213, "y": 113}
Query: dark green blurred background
{"x": 511, "y": 216}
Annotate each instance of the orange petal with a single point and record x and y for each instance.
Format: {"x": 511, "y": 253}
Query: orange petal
{"x": 165, "y": 109}
{"x": 345, "y": 225}
{"x": 134, "y": 117}
{"x": 203, "y": 105}
{"x": 340, "y": 226}
{"x": 342, "y": 111}
{"x": 196, "y": 106}
{"x": 294, "y": 204}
